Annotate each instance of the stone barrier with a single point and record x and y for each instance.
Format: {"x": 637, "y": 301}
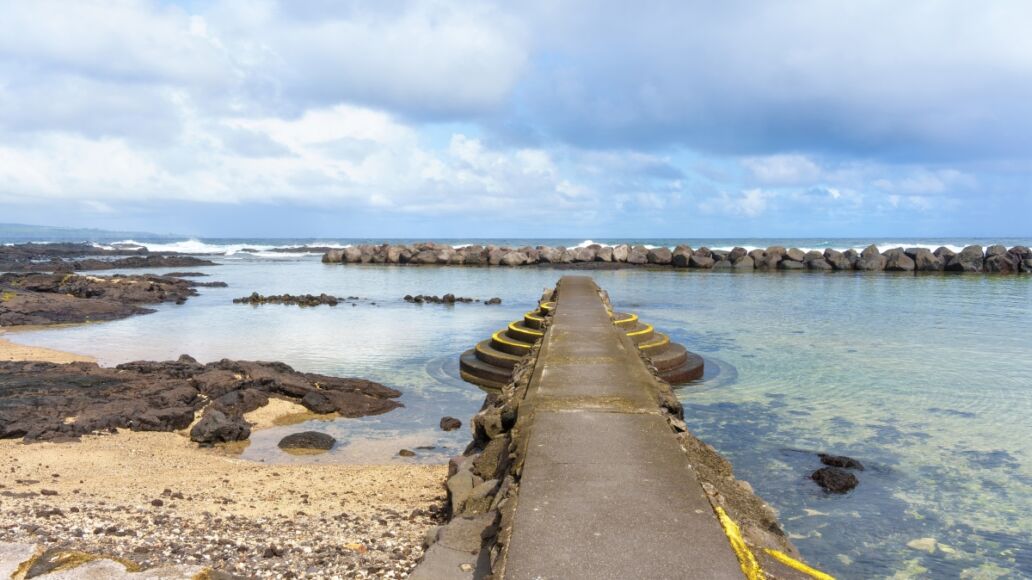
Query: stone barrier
{"x": 995, "y": 259}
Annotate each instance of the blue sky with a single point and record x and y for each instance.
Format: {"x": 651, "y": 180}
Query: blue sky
{"x": 537, "y": 118}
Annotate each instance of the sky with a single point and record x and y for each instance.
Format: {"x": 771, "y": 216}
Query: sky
{"x": 256, "y": 118}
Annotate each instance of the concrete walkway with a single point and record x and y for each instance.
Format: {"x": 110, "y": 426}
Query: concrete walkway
{"x": 606, "y": 491}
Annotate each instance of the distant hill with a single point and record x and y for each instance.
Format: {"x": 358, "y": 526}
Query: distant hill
{"x": 28, "y": 233}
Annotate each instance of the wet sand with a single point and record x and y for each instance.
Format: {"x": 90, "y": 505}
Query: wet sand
{"x": 12, "y": 351}
{"x": 156, "y": 498}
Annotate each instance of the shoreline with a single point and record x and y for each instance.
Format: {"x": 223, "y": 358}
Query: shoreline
{"x": 154, "y": 499}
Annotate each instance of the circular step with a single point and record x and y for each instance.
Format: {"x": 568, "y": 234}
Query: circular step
{"x": 691, "y": 369}
{"x": 673, "y": 356}
{"x": 492, "y": 356}
{"x": 501, "y": 340}
{"x": 640, "y": 332}
{"x": 625, "y": 319}
{"x": 477, "y": 371}
{"x": 534, "y": 320}
{"x": 657, "y": 341}
{"x": 523, "y": 333}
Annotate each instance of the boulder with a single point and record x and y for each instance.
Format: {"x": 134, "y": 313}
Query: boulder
{"x": 995, "y": 250}
{"x": 758, "y": 255}
{"x": 795, "y": 254}
{"x": 791, "y": 265}
{"x": 659, "y": 256}
{"x": 584, "y": 254}
{"x": 621, "y": 252}
{"x": 898, "y": 261}
{"x": 604, "y": 254}
{"x": 549, "y": 255}
{"x": 743, "y": 262}
{"x": 638, "y": 255}
{"x": 333, "y": 257}
{"x": 926, "y": 261}
{"x": 424, "y": 257}
{"x": 871, "y": 260}
{"x": 767, "y": 261}
{"x": 818, "y": 264}
{"x": 352, "y": 255}
{"x": 852, "y": 256}
{"x": 450, "y": 423}
{"x": 681, "y": 256}
{"x": 945, "y": 253}
{"x": 835, "y": 479}
{"x": 307, "y": 440}
{"x": 514, "y": 259}
{"x": 700, "y": 261}
{"x": 217, "y": 427}
{"x": 722, "y": 265}
{"x": 737, "y": 253}
{"x": 704, "y": 252}
{"x": 970, "y": 259}
{"x": 1005, "y": 263}
{"x": 837, "y": 260}
{"x": 240, "y": 401}
{"x": 813, "y": 255}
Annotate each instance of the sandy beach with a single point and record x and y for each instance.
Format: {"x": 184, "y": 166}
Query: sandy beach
{"x": 13, "y": 351}
{"x": 156, "y": 499}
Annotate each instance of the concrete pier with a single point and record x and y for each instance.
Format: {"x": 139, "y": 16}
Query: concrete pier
{"x": 606, "y": 491}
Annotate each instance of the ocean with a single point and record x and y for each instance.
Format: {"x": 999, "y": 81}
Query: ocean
{"x": 927, "y": 380}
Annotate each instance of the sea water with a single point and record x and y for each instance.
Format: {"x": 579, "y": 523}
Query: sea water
{"x": 925, "y": 379}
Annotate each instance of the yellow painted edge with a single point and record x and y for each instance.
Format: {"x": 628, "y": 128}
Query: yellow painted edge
{"x": 533, "y": 316}
{"x": 648, "y": 328}
{"x": 498, "y": 336}
{"x": 514, "y": 328}
{"x": 746, "y": 559}
{"x": 548, "y": 305}
{"x": 628, "y": 320}
{"x": 797, "y": 565}
{"x": 479, "y": 348}
{"x": 661, "y": 342}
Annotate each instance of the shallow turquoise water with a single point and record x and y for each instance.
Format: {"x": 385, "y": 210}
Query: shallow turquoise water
{"x": 927, "y": 380}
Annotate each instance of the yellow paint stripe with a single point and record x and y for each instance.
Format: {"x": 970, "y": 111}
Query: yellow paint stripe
{"x": 797, "y": 565}
{"x": 629, "y": 320}
{"x": 533, "y": 316}
{"x": 665, "y": 340}
{"x": 548, "y": 305}
{"x": 497, "y": 353}
{"x": 746, "y": 559}
{"x": 648, "y": 328}
{"x": 530, "y": 331}
{"x": 498, "y": 337}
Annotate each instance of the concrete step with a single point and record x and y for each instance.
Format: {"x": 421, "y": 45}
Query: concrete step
{"x": 665, "y": 358}
{"x": 493, "y": 356}
{"x": 657, "y": 341}
{"x": 534, "y": 319}
{"x": 690, "y": 369}
{"x": 502, "y": 341}
{"x": 478, "y": 372}
{"x": 521, "y": 331}
{"x": 624, "y": 319}
{"x": 639, "y": 332}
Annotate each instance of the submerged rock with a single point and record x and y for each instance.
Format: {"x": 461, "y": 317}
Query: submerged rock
{"x": 840, "y": 461}
{"x": 835, "y": 479}
{"x": 307, "y": 440}
{"x": 450, "y": 423}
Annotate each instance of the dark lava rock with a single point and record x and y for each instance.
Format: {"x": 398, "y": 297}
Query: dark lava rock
{"x": 840, "y": 461}
{"x": 492, "y": 301}
{"x": 970, "y": 259}
{"x": 289, "y": 299}
{"x": 36, "y": 398}
{"x": 217, "y": 427}
{"x": 307, "y": 440}
{"x": 450, "y": 423}
{"x": 835, "y": 479}
{"x": 406, "y": 453}
{"x": 446, "y": 299}
{"x": 84, "y": 257}
{"x": 68, "y": 298}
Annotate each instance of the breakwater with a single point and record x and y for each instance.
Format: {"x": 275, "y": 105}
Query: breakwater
{"x": 583, "y": 467}
{"x": 996, "y": 259}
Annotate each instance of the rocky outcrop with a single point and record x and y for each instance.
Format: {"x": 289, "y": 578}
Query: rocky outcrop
{"x": 997, "y": 259}
{"x": 46, "y": 401}
{"x": 304, "y": 300}
{"x": 69, "y": 298}
{"x": 85, "y": 257}
{"x": 835, "y": 479}
{"x": 447, "y": 299}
